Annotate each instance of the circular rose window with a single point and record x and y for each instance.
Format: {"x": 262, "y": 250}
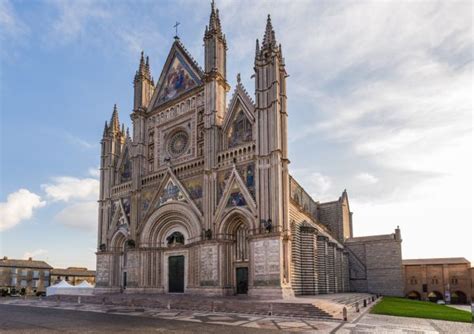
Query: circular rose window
{"x": 178, "y": 143}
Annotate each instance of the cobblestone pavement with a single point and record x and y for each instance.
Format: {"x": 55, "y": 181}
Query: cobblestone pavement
{"x": 374, "y": 323}
{"x": 287, "y": 325}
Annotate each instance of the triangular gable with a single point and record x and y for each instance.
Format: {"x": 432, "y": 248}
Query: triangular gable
{"x": 171, "y": 190}
{"x": 240, "y": 101}
{"x": 120, "y": 216}
{"x": 235, "y": 194}
{"x": 179, "y": 75}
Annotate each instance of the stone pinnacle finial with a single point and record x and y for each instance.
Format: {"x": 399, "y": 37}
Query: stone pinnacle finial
{"x": 269, "y": 37}
{"x": 238, "y": 78}
{"x": 214, "y": 21}
{"x": 257, "y": 47}
{"x": 114, "y": 121}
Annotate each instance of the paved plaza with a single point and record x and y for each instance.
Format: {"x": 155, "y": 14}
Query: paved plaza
{"x": 49, "y": 316}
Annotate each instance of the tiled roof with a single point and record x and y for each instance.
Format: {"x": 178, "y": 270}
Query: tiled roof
{"x": 73, "y": 272}
{"x": 24, "y": 264}
{"x": 445, "y": 260}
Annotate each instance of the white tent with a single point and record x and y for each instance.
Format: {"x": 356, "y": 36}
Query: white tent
{"x": 64, "y": 288}
{"x": 84, "y": 284}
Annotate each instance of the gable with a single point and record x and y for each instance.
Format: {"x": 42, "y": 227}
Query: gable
{"x": 180, "y": 74}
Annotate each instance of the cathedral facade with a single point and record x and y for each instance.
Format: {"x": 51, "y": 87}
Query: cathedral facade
{"x": 199, "y": 198}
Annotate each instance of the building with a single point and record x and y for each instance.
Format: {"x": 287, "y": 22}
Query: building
{"x": 31, "y": 275}
{"x": 199, "y": 199}
{"x": 73, "y": 275}
{"x": 448, "y": 279}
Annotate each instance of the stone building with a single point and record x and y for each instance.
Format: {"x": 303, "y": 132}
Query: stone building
{"x": 198, "y": 198}
{"x": 448, "y": 279}
{"x": 72, "y": 275}
{"x": 31, "y": 275}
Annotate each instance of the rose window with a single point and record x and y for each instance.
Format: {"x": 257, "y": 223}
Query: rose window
{"x": 178, "y": 143}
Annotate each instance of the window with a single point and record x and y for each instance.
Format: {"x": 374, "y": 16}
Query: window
{"x": 24, "y": 272}
{"x": 46, "y": 284}
{"x": 413, "y": 280}
{"x": 454, "y": 280}
{"x": 35, "y": 283}
{"x": 46, "y": 273}
{"x": 434, "y": 280}
{"x": 14, "y": 281}
{"x": 14, "y": 271}
{"x": 36, "y": 274}
{"x": 23, "y": 283}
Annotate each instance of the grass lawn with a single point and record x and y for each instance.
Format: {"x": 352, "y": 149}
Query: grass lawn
{"x": 403, "y": 307}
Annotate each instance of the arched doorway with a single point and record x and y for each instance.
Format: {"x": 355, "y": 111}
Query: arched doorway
{"x": 414, "y": 295}
{"x": 434, "y": 296}
{"x": 458, "y": 297}
{"x": 166, "y": 235}
{"x": 236, "y": 265}
{"x": 119, "y": 260}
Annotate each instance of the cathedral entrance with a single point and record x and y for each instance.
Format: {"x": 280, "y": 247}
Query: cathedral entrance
{"x": 242, "y": 280}
{"x": 176, "y": 273}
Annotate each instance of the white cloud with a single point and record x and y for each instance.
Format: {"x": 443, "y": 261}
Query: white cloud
{"x": 10, "y": 24}
{"x": 19, "y": 206}
{"x": 81, "y": 142}
{"x": 94, "y": 172}
{"x": 367, "y": 178}
{"x": 67, "y": 188}
{"x": 81, "y": 215}
{"x": 34, "y": 254}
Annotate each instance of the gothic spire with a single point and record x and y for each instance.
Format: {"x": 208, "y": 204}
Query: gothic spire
{"x": 114, "y": 120}
{"x": 214, "y": 22}
{"x": 105, "y": 128}
{"x": 143, "y": 71}
{"x": 269, "y": 37}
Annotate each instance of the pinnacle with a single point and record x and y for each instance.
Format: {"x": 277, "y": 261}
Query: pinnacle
{"x": 269, "y": 37}
{"x": 214, "y": 21}
{"x": 114, "y": 121}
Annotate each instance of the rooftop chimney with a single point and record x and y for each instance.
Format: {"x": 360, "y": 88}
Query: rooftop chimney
{"x": 30, "y": 259}
{"x": 5, "y": 257}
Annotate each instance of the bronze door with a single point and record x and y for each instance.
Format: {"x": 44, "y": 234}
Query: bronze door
{"x": 242, "y": 280}
{"x": 176, "y": 273}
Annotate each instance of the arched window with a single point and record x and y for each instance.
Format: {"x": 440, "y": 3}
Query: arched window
{"x": 413, "y": 280}
{"x": 241, "y": 249}
{"x": 454, "y": 280}
{"x": 434, "y": 280}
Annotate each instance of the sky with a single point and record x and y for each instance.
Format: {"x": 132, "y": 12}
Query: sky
{"x": 379, "y": 103}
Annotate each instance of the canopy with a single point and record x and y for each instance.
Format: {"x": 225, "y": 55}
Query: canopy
{"x": 64, "y": 288}
{"x": 84, "y": 284}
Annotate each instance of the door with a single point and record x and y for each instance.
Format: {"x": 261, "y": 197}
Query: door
{"x": 176, "y": 273}
{"x": 242, "y": 280}
{"x": 124, "y": 280}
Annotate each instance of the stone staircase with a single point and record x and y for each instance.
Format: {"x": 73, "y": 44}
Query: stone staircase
{"x": 204, "y": 304}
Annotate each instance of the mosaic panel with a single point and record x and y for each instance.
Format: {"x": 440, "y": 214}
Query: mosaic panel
{"x": 178, "y": 80}
{"x": 194, "y": 188}
{"x": 247, "y": 172}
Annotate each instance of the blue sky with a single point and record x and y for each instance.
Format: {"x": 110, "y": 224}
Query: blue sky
{"x": 379, "y": 99}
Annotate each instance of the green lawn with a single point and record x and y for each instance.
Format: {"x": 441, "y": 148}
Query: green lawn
{"x": 403, "y": 307}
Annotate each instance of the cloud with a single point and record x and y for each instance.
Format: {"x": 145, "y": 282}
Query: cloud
{"x": 82, "y": 215}
{"x": 19, "y": 206}
{"x": 367, "y": 178}
{"x": 34, "y": 254}
{"x": 81, "y": 142}
{"x": 12, "y": 29}
{"x": 94, "y": 172}
{"x": 66, "y": 188}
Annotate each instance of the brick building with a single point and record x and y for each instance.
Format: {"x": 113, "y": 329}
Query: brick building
{"x": 73, "y": 275}
{"x": 31, "y": 275}
{"x": 448, "y": 279}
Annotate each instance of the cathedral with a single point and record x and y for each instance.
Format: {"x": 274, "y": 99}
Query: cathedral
{"x": 198, "y": 198}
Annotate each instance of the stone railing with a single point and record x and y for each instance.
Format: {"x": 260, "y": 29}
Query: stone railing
{"x": 121, "y": 188}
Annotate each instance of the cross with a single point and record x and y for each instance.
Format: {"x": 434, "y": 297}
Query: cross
{"x": 176, "y": 28}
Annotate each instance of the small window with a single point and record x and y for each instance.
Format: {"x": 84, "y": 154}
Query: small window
{"x": 35, "y": 274}
{"x": 24, "y": 272}
{"x": 14, "y": 281}
{"x": 454, "y": 281}
{"x": 14, "y": 271}
{"x": 46, "y": 273}
{"x": 23, "y": 283}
